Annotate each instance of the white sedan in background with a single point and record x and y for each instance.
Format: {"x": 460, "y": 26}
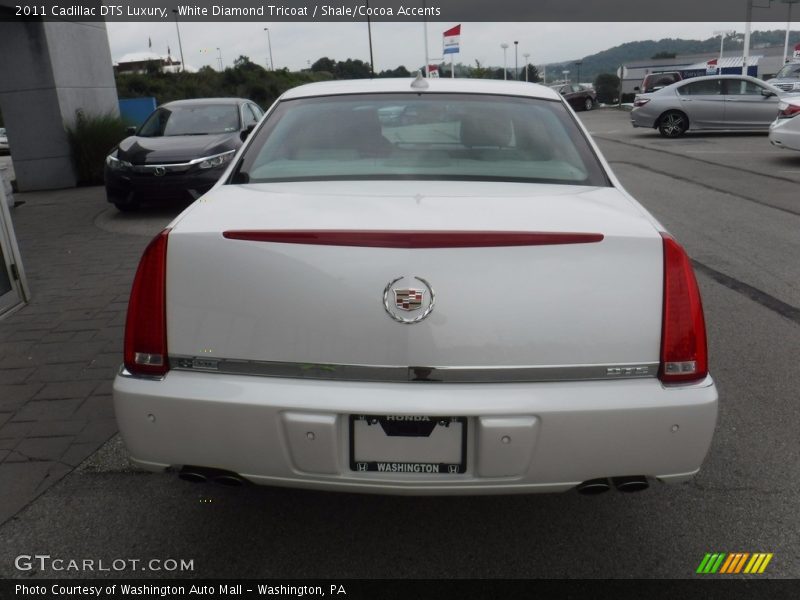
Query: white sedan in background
{"x": 785, "y": 129}
{"x": 418, "y": 287}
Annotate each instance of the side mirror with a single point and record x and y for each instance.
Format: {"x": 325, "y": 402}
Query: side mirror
{"x": 130, "y": 130}
{"x": 768, "y": 93}
{"x": 247, "y": 131}
{"x": 637, "y": 89}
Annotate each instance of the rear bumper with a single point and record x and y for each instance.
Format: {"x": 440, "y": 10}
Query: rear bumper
{"x": 783, "y": 134}
{"x": 521, "y": 437}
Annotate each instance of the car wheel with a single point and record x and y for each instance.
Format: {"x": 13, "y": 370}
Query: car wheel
{"x": 673, "y": 124}
{"x": 588, "y": 104}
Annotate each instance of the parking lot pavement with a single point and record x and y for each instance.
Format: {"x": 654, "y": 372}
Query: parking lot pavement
{"x": 58, "y": 354}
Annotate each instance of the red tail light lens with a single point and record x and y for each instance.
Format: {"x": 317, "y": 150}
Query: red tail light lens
{"x": 146, "y": 325}
{"x": 787, "y": 110}
{"x": 684, "y": 355}
{"x": 637, "y": 102}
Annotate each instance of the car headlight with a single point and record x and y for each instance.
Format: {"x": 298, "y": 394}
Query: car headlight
{"x": 212, "y": 162}
{"x": 116, "y": 164}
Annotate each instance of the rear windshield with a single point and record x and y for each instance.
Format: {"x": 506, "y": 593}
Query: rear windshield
{"x": 191, "y": 120}
{"x": 421, "y": 136}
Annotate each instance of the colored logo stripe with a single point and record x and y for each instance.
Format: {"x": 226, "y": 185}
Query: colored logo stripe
{"x": 734, "y": 562}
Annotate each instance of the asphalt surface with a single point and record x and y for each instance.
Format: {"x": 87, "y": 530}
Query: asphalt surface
{"x": 733, "y": 201}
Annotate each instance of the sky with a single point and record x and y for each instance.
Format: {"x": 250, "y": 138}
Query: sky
{"x": 297, "y": 45}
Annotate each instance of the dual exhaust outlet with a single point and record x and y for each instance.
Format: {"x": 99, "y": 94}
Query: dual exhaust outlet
{"x": 628, "y": 484}
{"x": 592, "y": 487}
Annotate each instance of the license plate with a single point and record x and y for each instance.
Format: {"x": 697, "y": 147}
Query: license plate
{"x": 408, "y": 444}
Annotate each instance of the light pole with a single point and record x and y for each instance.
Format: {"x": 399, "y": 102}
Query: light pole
{"x": 516, "y": 63}
{"x": 788, "y": 26}
{"x": 504, "y": 46}
{"x": 722, "y": 33}
{"x": 180, "y": 46}
{"x": 747, "y": 26}
{"x": 269, "y": 45}
{"x": 526, "y": 56}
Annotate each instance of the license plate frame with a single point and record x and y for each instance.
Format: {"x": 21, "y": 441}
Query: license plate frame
{"x": 398, "y": 466}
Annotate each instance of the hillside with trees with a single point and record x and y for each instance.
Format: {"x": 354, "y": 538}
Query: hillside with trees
{"x": 608, "y": 61}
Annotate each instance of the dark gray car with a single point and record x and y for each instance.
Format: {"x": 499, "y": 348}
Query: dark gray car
{"x": 721, "y": 102}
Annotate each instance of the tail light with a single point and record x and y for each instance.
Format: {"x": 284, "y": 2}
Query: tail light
{"x": 146, "y": 326}
{"x": 684, "y": 355}
{"x": 786, "y": 110}
{"x": 637, "y": 102}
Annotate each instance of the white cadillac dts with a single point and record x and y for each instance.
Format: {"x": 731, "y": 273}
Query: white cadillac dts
{"x": 418, "y": 287}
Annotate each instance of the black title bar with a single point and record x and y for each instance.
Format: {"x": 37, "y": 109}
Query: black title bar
{"x": 396, "y": 10}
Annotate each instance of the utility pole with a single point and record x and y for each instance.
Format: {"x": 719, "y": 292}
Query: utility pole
{"x": 369, "y": 34}
{"x": 526, "y": 56}
{"x": 219, "y": 59}
{"x": 516, "y": 63}
{"x": 504, "y": 46}
{"x": 269, "y": 45}
{"x": 180, "y": 46}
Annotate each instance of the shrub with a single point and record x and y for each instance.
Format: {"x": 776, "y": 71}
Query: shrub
{"x": 91, "y": 138}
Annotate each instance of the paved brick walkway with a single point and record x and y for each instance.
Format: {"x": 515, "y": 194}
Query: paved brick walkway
{"x": 59, "y": 354}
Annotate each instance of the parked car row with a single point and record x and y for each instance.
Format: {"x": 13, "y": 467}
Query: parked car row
{"x": 717, "y": 102}
{"x": 180, "y": 151}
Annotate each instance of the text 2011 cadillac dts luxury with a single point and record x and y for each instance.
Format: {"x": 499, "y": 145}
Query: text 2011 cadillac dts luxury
{"x": 418, "y": 287}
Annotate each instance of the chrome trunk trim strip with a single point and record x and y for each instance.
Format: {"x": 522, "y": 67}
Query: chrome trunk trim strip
{"x": 488, "y": 374}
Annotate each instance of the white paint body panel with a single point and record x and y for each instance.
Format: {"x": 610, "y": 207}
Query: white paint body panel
{"x": 584, "y": 430}
{"x": 576, "y": 304}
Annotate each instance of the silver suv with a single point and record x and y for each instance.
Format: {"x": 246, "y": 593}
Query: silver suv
{"x": 788, "y": 78}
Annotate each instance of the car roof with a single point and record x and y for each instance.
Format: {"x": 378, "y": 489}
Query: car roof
{"x": 205, "y": 101}
{"x": 445, "y": 84}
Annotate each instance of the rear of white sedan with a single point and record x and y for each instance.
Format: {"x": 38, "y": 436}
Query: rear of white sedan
{"x": 434, "y": 287}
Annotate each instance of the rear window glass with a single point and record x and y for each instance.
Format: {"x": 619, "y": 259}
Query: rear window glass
{"x": 428, "y": 136}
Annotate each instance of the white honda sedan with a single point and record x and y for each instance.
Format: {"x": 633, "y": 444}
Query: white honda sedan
{"x": 418, "y": 287}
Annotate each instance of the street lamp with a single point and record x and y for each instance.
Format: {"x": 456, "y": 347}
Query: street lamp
{"x": 722, "y": 33}
{"x": 504, "y": 46}
{"x": 219, "y": 58}
{"x": 180, "y": 46}
{"x": 516, "y": 63}
{"x": 269, "y": 45}
{"x": 788, "y": 26}
{"x": 526, "y": 56}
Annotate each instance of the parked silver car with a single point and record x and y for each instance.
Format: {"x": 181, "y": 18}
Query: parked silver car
{"x": 4, "y": 148}
{"x": 732, "y": 102}
{"x": 785, "y": 130}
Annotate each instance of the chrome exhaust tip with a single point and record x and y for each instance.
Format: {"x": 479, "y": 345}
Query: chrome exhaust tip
{"x": 193, "y": 474}
{"x": 229, "y": 479}
{"x": 593, "y": 487}
{"x": 632, "y": 483}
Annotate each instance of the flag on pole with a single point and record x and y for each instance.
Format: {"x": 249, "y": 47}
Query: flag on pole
{"x": 451, "y": 39}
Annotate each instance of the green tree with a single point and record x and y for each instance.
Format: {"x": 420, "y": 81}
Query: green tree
{"x": 607, "y": 87}
{"x": 324, "y": 64}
